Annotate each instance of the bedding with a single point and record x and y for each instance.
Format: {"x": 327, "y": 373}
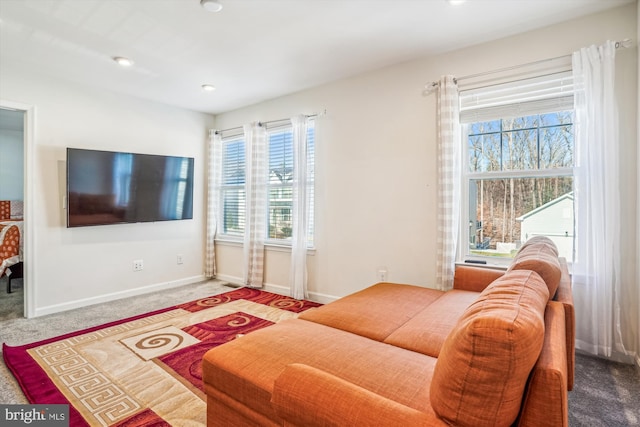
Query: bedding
{"x": 11, "y": 246}
{"x": 11, "y": 210}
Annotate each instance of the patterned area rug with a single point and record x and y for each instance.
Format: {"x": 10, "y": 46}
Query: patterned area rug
{"x": 145, "y": 370}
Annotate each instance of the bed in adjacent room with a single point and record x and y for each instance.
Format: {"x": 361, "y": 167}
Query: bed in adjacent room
{"x": 11, "y": 242}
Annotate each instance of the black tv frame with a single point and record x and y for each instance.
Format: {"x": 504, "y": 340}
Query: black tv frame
{"x": 150, "y": 178}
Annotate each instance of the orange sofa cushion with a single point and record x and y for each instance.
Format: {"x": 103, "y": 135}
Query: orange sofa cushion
{"x": 427, "y": 331}
{"x": 541, "y": 257}
{"x": 309, "y": 397}
{"x": 548, "y": 244}
{"x": 484, "y": 364}
{"x": 241, "y": 374}
{"x": 374, "y": 312}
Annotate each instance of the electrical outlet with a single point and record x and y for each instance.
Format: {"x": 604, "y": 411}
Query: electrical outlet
{"x": 382, "y": 274}
{"x": 138, "y": 265}
{"x": 179, "y": 259}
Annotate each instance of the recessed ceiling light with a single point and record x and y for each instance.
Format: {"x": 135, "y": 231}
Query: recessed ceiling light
{"x": 125, "y": 62}
{"x": 208, "y": 88}
{"x": 455, "y": 2}
{"x": 211, "y": 5}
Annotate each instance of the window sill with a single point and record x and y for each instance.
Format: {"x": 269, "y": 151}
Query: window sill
{"x": 269, "y": 246}
{"x": 489, "y": 264}
{"x": 502, "y": 266}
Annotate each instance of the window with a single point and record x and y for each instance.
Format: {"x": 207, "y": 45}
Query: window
{"x": 279, "y": 185}
{"x": 232, "y": 187}
{"x": 280, "y": 181}
{"x": 518, "y": 169}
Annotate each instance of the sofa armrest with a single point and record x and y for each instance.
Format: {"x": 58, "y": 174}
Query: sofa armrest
{"x": 564, "y": 295}
{"x": 306, "y": 396}
{"x": 545, "y": 401}
{"x": 474, "y": 279}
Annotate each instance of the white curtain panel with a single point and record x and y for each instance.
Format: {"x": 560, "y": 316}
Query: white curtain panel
{"x": 449, "y": 176}
{"x": 255, "y": 204}
{"x": 214, "y": 171}
{"x": 301, "y": 208}
{"x": 596, "y": 267}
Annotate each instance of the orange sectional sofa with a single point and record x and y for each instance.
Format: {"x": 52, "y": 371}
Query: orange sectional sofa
{"x": 495, "y": 350}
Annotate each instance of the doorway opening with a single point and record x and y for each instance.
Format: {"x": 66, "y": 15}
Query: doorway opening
{"x": 11, "y": 213}
{"x": 16, "y": 151}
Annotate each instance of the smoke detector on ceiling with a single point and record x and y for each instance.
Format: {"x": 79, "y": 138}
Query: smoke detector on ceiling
{"x": 211, "y": 5}
{"x": 122, "y": 61}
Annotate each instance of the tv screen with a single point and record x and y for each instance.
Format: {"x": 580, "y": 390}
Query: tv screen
{"x": 105, "y": 187}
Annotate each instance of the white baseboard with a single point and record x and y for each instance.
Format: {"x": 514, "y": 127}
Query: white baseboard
{"x": 51, "y": 309}
{"x": 322, "y": 298}
{"x": 279, "y": 289}
{"x": 276, "y": 289}
{"x": 231, "y": 279}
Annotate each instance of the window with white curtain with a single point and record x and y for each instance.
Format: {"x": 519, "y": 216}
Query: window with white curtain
{"x": 518, "y": 166}
{"x": 279, "y": 185}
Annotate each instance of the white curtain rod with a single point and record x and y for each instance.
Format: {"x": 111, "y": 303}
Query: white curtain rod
{"x": 265, "y": 124}
{"x": 430, "y": 86}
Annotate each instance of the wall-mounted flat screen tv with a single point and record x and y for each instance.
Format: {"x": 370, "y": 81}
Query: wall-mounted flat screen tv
{"x": 105, "y": 187}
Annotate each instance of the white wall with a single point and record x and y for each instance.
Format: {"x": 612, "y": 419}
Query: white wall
{"x": 376, "y": 161}
{"x": 81, "y": 266}
{"x": 11, "y": 164}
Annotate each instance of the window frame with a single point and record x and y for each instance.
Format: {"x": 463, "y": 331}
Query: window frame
{"x": 286, "y": 243}
{"x": 463, "y": 250}
{"x": 273, "y": 243}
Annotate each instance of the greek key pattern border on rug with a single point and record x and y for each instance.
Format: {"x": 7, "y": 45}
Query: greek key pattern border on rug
{"x": 82, "y": 382}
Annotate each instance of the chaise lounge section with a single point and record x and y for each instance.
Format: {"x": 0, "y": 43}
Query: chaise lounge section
{"x": 495, "y": 350}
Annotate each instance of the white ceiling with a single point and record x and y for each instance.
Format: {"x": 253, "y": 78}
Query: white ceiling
{"x": 252, "y": 50}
